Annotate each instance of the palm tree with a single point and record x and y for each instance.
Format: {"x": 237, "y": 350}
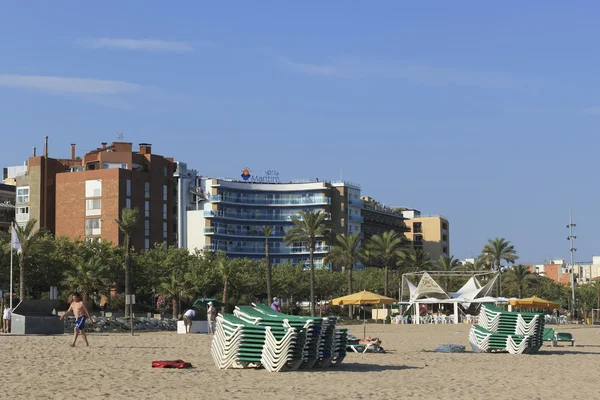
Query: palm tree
{"x": 386, "y": 248}
{"x": 28, "y": 237}
{"x": 225, "y": 268}
{"x": 498, "y": 249}
{"x": 306, "y": 229}
{"x": 126, "y": 224}
{"x": 416, "y": 260}
{"x": 495, "y": 251}
{"x": 173, "y": 287}
{"x": 519, "y": 275}
{"x": 447, "y": 264}
{"x": 268, "y": 230}
{"x": 88, "y": 277}
{"x": 346, "y": 253}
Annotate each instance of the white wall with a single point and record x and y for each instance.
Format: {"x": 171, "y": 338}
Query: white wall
{"x": 195, "y": 230}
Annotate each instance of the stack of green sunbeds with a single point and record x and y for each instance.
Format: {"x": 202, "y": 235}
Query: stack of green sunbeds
{"x": 505, "y": 331}
{"x": 258, "y": 336}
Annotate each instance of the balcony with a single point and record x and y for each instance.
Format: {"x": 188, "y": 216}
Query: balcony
{"x": 271, "y": 202}
{"x": 356, "y": 218}
{"x": 236, "y": 232}
{"x": 261, "y": 249}
{"x": 256, "y": 216}
{"x": 22, "y": 218}
{"x": 358, "y": 203}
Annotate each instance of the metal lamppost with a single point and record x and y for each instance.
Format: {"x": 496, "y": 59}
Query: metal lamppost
{"x": 572, "y": 250}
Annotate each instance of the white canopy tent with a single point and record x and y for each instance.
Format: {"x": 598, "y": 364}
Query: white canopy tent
{"x": 428, "y": 291}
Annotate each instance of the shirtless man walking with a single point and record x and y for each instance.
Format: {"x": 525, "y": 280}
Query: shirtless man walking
{"x": 81, "y": 313}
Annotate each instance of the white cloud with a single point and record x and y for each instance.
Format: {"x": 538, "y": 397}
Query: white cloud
{"x": 68, "y": 85}
{"x": 142, "y": 44}
{"x": 427, "y": 75}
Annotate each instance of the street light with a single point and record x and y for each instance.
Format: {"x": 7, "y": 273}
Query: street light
{"x": 572, "y": 250}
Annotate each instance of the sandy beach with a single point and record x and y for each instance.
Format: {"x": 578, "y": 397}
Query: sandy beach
{"x": 118, "y": 366}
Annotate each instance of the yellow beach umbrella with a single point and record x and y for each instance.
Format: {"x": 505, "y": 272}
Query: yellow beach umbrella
{"x": 534, "y": 302}
{"x": 361, "y": 299}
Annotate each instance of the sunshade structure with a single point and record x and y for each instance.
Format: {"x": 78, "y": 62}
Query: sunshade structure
{"x": 534, "y": 302}
{"x": 505, "y": 331}
{"x": 203, "y": 302}
{"x": 428, "y": 291}
{"x": 364, "y": 298}
{"x": 258, "y": 336}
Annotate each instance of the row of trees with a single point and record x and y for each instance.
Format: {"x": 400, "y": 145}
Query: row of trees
{"x": 175, "y": 275}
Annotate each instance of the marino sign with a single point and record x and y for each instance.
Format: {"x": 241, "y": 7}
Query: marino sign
{"x": 268, "y": 176}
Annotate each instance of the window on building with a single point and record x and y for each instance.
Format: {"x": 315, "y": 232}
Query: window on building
{"x": 165, "y": 211}
{"x": 147, "y": 209}
{"x": 165, "y": 230}
{"x": 128, "y": 187}
{"x": 147, "y": 227}
{"x": 108, "y": 165}
{"x": 146, "y": 244}
{"x": 127, "y": 203}
{"x": 165, "y": 193}
{"x": 22, "y": 214}
{"x": 93, "y": 226}
{"x": 93, "y": 207}
{"x": 147, "y": 189}
{"x": 23, "y": 194}
{"x": 93, "y": 188}
{"x": 166, "y": 171}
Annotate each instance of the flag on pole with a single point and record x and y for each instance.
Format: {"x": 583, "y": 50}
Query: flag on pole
{"x": 14, "y": 239}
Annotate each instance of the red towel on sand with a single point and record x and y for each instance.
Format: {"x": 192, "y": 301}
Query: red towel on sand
{"x": 171, "y": 364}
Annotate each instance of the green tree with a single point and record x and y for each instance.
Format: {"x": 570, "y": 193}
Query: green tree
{"x": 28, "y": 238}
{"x": 173, "y": 287}
{"x": 518, "y": 276}
{"x": 87, "y": 277}
{"x": 447, "y": 265}
{"x": 345, "y": 253}
{"x": 226, "y": 269}
{"x": 306, "y": 230}
{"x": 496, "y": 250}
{"x": 386, "y": 248}
{"x": 268, "y": 231}
{"x": 127, "y": 223}
{"x": 415, "y": 260}
{"x": 291, "y": 281}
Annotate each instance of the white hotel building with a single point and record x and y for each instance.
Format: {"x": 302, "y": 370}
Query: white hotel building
{"x": 232, "y": 214}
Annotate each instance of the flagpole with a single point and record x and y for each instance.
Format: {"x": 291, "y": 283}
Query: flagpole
{"x": 12, "y": 229}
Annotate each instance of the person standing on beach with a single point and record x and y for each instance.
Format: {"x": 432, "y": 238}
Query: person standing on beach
{"x": 187, "y": 320}
{"x": 212, "y": 316}
{"x": 81, "y": 313}
{"x": 6, "y": 315}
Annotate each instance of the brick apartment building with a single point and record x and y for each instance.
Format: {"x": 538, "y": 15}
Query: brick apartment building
{"x": 82, "y": 197}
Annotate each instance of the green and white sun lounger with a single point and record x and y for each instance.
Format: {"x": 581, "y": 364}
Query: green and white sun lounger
{"x": 504, "y": 331}
{"x": 258, "y": 336}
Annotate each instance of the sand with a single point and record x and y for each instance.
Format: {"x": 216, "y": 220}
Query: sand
{"x": 118, "y": 366}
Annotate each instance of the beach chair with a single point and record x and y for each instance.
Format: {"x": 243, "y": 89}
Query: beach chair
{"x": 565, "y": 337}
{"x": 549, "y": 336}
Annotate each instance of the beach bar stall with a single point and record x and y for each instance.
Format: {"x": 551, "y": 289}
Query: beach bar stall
{"x": 35, "y": 317}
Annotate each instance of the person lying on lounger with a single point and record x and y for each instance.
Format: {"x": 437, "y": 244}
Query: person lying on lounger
{"x": 370, "y": 340}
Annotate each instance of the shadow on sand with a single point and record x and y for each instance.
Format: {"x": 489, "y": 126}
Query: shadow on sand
{"x": 361, "y": 367}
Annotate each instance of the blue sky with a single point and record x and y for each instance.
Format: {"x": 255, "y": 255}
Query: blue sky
{"x": 484, "y": 113}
